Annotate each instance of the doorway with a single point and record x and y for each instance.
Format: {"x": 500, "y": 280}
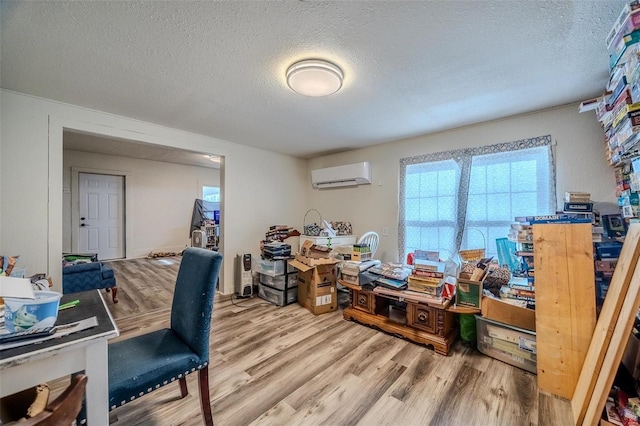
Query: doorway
{"x": 81, "y": 147}
{"x": 101, "y": 212}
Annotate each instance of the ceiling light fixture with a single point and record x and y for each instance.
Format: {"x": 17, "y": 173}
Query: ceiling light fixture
{"x": 314, "y": 77}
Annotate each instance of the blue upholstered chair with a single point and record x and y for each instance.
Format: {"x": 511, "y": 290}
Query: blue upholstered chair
{"x": 89, "y": 276}
{"x": 142, "y": 364}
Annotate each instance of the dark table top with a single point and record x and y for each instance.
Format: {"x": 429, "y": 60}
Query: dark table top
{"x": 90, "y": 305}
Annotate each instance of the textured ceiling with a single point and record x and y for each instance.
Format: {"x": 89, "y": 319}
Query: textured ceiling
{"x": 217, "y": 68}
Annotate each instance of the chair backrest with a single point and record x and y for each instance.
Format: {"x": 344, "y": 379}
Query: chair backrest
{"x": 65, "y": 408}
{"x": 371, "y": 238}
{"x": 193, "y": 298}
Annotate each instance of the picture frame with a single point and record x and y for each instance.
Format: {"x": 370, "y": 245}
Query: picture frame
{"x": 614, "y": 225}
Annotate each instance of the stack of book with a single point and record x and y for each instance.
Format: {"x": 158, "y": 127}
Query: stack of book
{"x": 351, "y": 270}
{"x": 524, "y": 252}
{"x": 577, "y": 202}
{"x": 624, "y": 34}
{"x": 277, "y": 233}
{"x": 275, "y": 250}
{"x": 580, "y": 202}
{"x": 427, "y": 277}
{"x": 597, "y": 232}
{"x": 519, "y": 291}
{"x": 606, "y": 256}
{"x": 618, "y": 110}
{"x": 520, "y": 233}
{"x": 390, "y": 275}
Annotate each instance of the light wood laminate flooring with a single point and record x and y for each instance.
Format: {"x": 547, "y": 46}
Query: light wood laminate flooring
{"x": 284, "y": 366}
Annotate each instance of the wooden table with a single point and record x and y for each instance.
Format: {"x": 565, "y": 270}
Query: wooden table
{"x": 29, "y": 365}
{"x": 418, "y": 318}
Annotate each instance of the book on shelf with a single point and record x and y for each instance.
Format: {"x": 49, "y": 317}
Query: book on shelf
{"x": 626, "y": 110}
{"x": 629, "y": 49}
{"x": 427, "y": 274}
{"x": 524, "y": 233}
{"x": 520, "y": 227}
{"x": 391, "y": 283}
{"x": 522, "y": 239}
{"x": 522, "y": 287}
{"x": 426, "y": 289}
{"x": 517, "y": 293}
{"x": 428, "y": 265}
{"x": 578, "y": 207}
{"x": 524, "y": 246}
{"x": 589, "y": 104}
{"x": 506, "y": 293}
{"x": 577, "y": 197}
{"x": 556, "y": 218}
{"x": 622, "y": 26}
{"x": 425, "y": 281}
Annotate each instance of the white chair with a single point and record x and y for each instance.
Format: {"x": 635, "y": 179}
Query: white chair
{"x": 371, "y": 238}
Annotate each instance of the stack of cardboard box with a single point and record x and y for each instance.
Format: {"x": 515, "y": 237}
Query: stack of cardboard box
{"x": 317, "y": 290}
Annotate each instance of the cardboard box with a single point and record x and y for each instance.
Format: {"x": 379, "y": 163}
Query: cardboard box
{"x": 497, "y": 310}
{"x": 317, "y": 289}
{"x": 315, "y": 251}
{"x": 468, "y": 293}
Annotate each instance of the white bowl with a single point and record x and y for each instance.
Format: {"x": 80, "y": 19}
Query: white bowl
{"x": 23, "y": 314}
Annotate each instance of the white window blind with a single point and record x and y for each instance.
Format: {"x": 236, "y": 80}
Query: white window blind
{"x": 465, "y": 199}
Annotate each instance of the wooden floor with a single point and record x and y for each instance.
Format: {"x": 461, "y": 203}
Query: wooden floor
{"x": 285, "y": 366}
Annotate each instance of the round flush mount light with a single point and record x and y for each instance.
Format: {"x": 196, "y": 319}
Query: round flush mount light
{"x": 314, "y": 77}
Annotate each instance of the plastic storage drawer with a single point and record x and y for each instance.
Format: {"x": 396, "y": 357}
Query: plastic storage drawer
{"x": 279, "y": 281}
{"x": 277, "y": 297}
{"x": 513, "y": 345}
{"x": 271, "y": 267}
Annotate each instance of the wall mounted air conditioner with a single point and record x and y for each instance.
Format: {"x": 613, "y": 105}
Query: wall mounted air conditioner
{"x": 347, "y": 175}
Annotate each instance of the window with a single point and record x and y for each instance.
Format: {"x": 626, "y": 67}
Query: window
{"x": 431, "y": 205}
{"x": 211, "y": 193}
{"x": 466, "y": 199}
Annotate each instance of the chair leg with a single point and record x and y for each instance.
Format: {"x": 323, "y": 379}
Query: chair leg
{"x": 114, "y": 293}
{"x": 203, "y": 381}
{"x": 183, "y": 386}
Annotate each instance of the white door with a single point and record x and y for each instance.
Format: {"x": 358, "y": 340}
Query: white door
{"x": 101, "y": 215}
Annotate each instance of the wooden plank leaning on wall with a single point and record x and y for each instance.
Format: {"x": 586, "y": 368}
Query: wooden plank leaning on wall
{"x": 609, "y": 315}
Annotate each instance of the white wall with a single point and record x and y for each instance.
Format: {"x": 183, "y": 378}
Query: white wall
{"x": 162, "y": 195}
{"x": 580, "y": 166}
{"x": 260, "y": 188}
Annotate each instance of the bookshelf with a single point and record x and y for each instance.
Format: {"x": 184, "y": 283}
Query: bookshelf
{"x": 212, "y": 234}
